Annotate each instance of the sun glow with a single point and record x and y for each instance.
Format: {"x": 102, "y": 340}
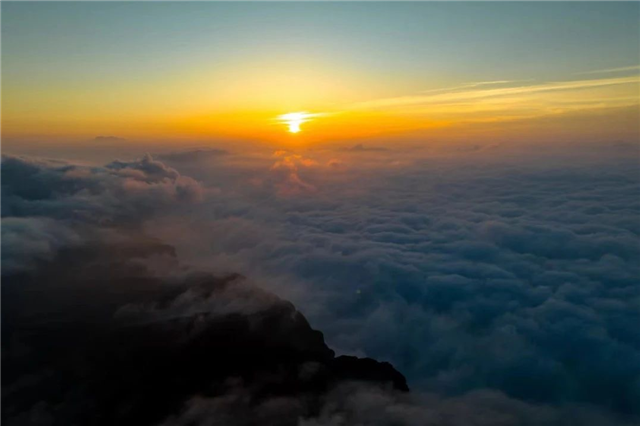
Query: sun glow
{"x": 294, "y": 119}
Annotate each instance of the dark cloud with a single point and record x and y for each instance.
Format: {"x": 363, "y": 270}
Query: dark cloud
{"x": 26, "y": 241}
{"x": 357, "y": 404}
{"x": 47, "y": 204}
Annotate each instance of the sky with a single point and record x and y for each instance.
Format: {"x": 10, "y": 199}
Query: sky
{"x": 225, "y": 71}
{"x": 452, "y": 188}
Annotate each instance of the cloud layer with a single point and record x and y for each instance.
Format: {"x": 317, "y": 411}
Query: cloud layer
{"x": 515, "y": 275}
{"x": 50, "y": 204}
{"x": 493, "y": 280}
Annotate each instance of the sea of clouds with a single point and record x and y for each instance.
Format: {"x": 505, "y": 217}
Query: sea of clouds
{"x": 492, "y": 279}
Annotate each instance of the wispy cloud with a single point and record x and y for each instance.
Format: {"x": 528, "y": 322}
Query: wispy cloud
{"x": 472, "y": 85}
{"x": 612, "y": 70}
{"x": 476, "y": 101}
{"x": 453, "y": 96}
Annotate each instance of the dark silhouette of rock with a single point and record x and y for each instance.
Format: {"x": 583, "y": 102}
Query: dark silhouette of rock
{"x": 105, "y": 342}
{"x": 370, "y": 370}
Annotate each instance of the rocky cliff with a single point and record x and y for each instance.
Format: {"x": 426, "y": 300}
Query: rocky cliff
{"x": 112, "y": 344}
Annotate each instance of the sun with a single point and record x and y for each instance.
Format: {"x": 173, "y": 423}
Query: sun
{"x": 293, "y": 120}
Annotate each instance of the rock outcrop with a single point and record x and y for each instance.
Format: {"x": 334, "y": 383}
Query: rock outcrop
{"x": 129, "y": 349}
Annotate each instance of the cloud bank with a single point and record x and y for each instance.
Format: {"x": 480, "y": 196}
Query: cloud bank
{"x": 50, "y": 204}
{"x": 504, "y": 287}
{"x": 517, "y": 275}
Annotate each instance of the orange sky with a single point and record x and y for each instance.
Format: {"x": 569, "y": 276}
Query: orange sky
{"x": 227, "y": 71}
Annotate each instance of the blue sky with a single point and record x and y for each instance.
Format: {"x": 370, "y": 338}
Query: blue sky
{"x": 412, "y": 40}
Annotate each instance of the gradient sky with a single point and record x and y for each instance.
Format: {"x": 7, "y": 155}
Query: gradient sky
{"x": 152, "y": 71}
{"x": 457, "y": 195}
